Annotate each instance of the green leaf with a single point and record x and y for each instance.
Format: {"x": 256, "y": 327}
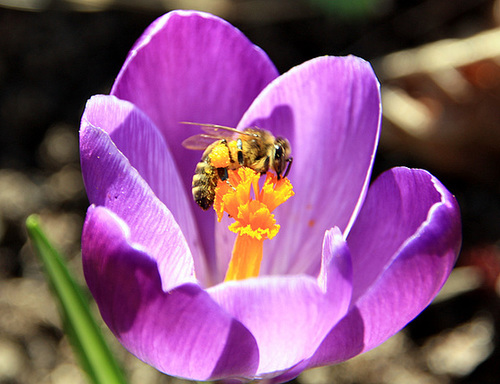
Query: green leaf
{"x": 81, "y": 327}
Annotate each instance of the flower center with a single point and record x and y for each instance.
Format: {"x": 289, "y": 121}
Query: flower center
{"x": 251, "y": 207}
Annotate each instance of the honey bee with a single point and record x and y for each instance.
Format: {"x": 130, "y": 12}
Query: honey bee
{"x": 252, "y": 147}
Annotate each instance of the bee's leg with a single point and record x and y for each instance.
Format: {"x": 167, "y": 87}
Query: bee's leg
{"x": 224, "y": 141}
{"x": 223, "y": 175}
{"x": 266, "y": 164}
{"x": 239, "y": 145}
{"x": 222, "y": 172}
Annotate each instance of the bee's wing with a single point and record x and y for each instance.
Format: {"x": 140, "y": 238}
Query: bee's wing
{"x": 199, "y": 142}
{"x": 219, "y": 131}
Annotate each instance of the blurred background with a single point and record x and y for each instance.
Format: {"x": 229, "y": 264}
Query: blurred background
{"x": 439, "y": 65}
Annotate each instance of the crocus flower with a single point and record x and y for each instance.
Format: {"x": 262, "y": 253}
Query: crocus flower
{"x": 351, "y": 264}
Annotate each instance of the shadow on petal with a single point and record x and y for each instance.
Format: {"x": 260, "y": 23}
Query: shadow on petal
{"x": 182, "y": 332}
{"x": 345, "y": 340}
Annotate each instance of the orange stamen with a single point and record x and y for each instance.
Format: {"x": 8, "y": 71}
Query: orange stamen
{"x": 254, "y": 221}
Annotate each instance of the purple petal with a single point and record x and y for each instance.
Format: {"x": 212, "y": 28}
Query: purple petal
{"x": 181, "y": 332}
{"x": 193, "y": 66}
{"x": 148, "y": 153}
{"x": 112, "y": 182}
{"x": 399, "y": 204}
{"x": 335, "y": 277}
{"x": 404, "y": 243}
{"x": 329, "y": 109}
{"x": 290, "y": 315}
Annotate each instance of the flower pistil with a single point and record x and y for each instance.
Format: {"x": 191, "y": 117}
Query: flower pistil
{"x": 251, "y": 207}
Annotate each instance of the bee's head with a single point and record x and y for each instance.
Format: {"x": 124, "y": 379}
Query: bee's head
{"x": 282, "y": 151}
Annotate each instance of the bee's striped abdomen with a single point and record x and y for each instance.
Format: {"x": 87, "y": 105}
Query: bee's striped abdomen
{"x": 204, "y": 183}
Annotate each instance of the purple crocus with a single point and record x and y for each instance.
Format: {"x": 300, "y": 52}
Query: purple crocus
{"x": 351, "y": 265}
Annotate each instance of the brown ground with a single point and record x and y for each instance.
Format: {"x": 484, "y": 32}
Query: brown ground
{"x": 51, "y": 62}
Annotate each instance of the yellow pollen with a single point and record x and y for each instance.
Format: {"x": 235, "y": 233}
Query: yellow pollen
{"x": 251, "y": 207}
{"x": 219, "y": 156}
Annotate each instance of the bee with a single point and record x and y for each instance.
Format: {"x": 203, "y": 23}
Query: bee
{"x": 252, "y": 147}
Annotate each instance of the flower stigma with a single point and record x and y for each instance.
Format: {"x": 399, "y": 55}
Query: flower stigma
{"x": 251, "y": 207}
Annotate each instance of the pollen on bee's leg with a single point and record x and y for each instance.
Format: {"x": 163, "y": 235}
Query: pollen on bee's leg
{"x": 219, "y": 156}
{"x": 251, "y": 207}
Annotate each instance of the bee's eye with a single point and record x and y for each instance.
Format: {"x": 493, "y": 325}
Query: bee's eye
{"x": 278, "y": 151}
